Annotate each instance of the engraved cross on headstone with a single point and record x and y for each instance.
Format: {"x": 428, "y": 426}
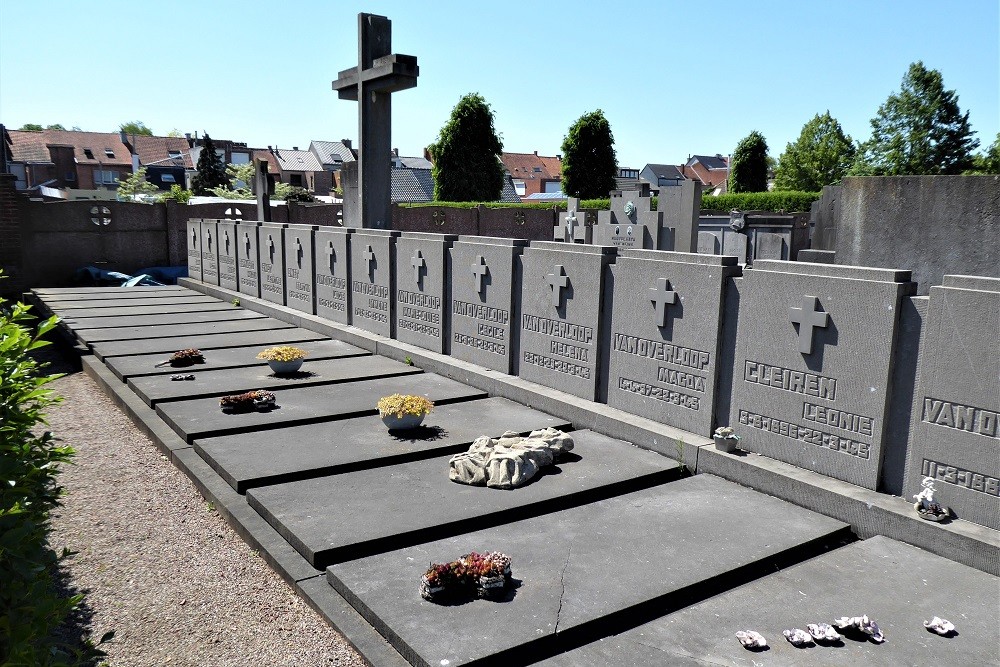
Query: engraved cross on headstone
{"x": 298, "y": 252}
{"x": 369, "y": 256}
{"x": 662, "y": 296}
{"x": 208, "y": 239}
{"x": 417, "y": 262}
{"x": 808, "y": 318}
{"x": 247, "y": 243}
{"x": 194, "y": 237}
{"x": 571, "y": 226}
{"x": 556, "y": 281}
{"x": 226, "y": 233}
{"x": 377, "y": 74}
{"x": 331, "y": 257}
{"x": 479, "y": 269}
{"x": 270, "y": 248}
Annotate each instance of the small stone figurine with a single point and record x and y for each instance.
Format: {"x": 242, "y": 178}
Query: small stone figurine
{"x": 926, "y": 506}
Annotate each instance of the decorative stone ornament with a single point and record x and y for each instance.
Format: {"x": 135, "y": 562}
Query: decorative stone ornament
{"x": 630, "y": 210}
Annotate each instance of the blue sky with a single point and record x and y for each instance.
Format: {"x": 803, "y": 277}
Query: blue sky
{"x": 673, "y": 78}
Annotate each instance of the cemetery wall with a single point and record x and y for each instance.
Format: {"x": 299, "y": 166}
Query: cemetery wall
{"x": 523, "y": 223}
{"x": 11, "y": 204}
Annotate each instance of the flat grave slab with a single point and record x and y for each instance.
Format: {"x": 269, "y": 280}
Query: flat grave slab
{"x": 251, "y": 460}
{"x": 153, "y": 389}
{"x": 327, "y": 519}
{"x": 898, "y": 585}
{"x": 173, "y": 343}
{"x": 92, "y": 293}
{"x": 124, "y": 311}
{"x": 202, "y": 418}
{"x": 59, "y": 305}
{"x": 231, "y": 357}
{"x": 106, "y": 334}
{"x": 80, "y": 323}
{"x": 619, "y": 558}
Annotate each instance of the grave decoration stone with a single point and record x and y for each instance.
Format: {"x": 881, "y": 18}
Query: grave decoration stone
{"x": 271, "y": 246}
{"x": 561, "y": 315}
{"x": 666, "y": 323}
{"x": 814, "y": 360}
{"x": 333, "y": 273}
{"x": 210, "y": 251}
{"x": 378, "y": 74}
{"x": 248, "y": 260}
{"x": 483, "y": 283}
{"x": 422, "y": 294}
{"x": 631, "y": 223}
{"x": 571, "y": 226}
{"x": 299, "y": 261}
{"x": 194, "y": 248}
{"x": 228, "y": 249}
{"x": 372, "y": 280}
{"x": 955, "y": 438}
{"x": 681, "y": 207}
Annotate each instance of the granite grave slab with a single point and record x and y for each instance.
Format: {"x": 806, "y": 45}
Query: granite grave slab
{"x": 152, "y": 303}
{"x": 93, "y": 293}
{"x": 666, "y": 321}
{"x": 249, "y": 460}
{"x": 422, "y": 294}
{"x": 325, "y": 518}
{"x": 271, "y": 247}
{"x": 248, "y": 253}
{"x": 194, "y": 248}
{"x": 83, "y": 323}
{"x": 117, "y": 311}
{"x": 202, "y": 418}
{"x": 620, "y": 558}
{"x": 171, "y": 344}
{"x": 299, "y": 261}
{"x": 561, "y": 308}
{"x": 210, "y": 251}
{"x": 373, "y": 279}
{"x": 106, "y": 334}
{"x": 333, "y": 273}
{"x": 229, "y": 249}
{"x": 483, "y": 283}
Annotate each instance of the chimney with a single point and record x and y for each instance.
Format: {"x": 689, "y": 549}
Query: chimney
{"x": 295, "y": 148}
{"x": 559, "y": 157}
{"x": 536, "y": 153}
{"x": 123, "y": 136}
{"x": 427, "y": 155}
{"x": 395, "y": 152}
{"x": 187, "y": 135}
{"x": 346, "y": 142}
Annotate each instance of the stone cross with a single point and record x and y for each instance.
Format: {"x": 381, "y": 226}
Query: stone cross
{"x": 262, "y": 186}
{"x": 662, "y": 297}
{"x": 417, "y": 262}
{"x": 570, "y": 226}
{"x": 330, "y": 257}
{"x": 556, "y": 281}
{"x": 479, "y": 269}
{"x": 808, "y": 318}
{"x": 377, "y": 74}
{"x": 369, "y": 257}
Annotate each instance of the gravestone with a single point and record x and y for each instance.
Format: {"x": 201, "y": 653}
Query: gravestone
{"x": 228, "y": 249}
{"x": 379, "y": 73}
{"x": 263, "y": 185}
{"x": 817, "y": 256}
{"x": 299, "y": 258}
{"x": 956, "y": 420}
{"x": 194, "y": 248}
{"x": 571, "y": 226}
{"x": 814, "y": 360}
{"x": 736, "y": 244}
{"x": 372, "y": 280}
{"x": 483, "y": 283}
{"x": 771, "y": 246}
{"x": 708, "y": 243}
{"x": 630, "y": 223}
{"x": 333, "y": 274}
{"x": 271, "y": 246}
{"x": 248, "y": 273}
{"x": 422, "y": 295}
{"x": 666, "y": 323}
{"x": 561, "y": 315}
{"x": 681, "y": 206}
{"x": 210, "y": 251}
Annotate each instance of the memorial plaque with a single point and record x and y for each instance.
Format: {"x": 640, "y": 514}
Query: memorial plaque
{"x": 814, "y": 359}
{"x": 270, "y": 245}
{"x": 228, "y": 272}
{"x": 483, "y": 285}
{"x": 372, "y": 280}
{"x": 248, "y": 259}
{"x": 736, "y": 244}
{"x": 333, "y": 273}
{"x": 299, "y": 259}
{"x": 194, "y": 248}
{"x": 210, "y": 252}
{"x": 956, "y": 420}
{"x": 666, "y": 321}
{"x": 630, "y": 224}
{"x": 421, "y": 294}
{"x": 560, "y": 327}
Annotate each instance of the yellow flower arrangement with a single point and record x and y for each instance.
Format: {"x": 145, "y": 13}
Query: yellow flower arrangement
{"x": 400, "y": 404}
{"x": 282, "y": 353}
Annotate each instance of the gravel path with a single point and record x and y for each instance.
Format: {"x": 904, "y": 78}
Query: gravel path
{"x": 161, "y": 567}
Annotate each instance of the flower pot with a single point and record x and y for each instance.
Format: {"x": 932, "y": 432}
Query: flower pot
{"x": 728, "y": 445}
{"x": 285, "y": 367}
{"x": 491, "y": 587}
{"x": 407, "y": 421}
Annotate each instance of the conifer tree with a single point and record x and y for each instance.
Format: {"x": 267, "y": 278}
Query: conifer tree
{"x": 589, "y": 161}
{"x": 748, "y": 168}
{"x": 211, "y": 170}
{"x": 466, "y": 154}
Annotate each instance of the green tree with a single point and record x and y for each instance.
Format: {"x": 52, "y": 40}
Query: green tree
{"x": 135, "y": 184}
{"x": 748, "y": 168}
{"x": 211, "y": 170}
{"x": 31, "y": 127}
{"x": 820, "y": 156}
{"x": 919, "y": 130}
{"x": 589, "y": 161}
{"x": 55, "y": 126}
{"x": 136, "y": 127}
{"x": 466, "y": 154}
{"x": 988, "y": 162}
{"x": 240, "y": 178}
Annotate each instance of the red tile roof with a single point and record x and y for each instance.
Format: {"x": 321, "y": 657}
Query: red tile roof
{"x": 529, "y": 166}
{"x": 33, "y": 146}
{"x": 156, "y": 151}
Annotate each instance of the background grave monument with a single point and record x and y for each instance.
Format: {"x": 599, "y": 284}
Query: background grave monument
{"x": 333, "y": 273}
{"x": 228, "y": 249}
{"x": 631, "y": 223}
{"x": 248, "y": 258}
{"x": 422, "y": 294}
{"x": 210, "y": 251}
{"x": 271, "y": 247}
{"x": 372, "y": 280}
{"x": 571, "y": 226}
{"x": 299, "y": 259}
{"x": 681, "y": 208}
{"x": 194, "y": 248}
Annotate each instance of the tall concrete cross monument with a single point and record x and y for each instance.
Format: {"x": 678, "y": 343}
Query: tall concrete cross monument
{"x": 378, "y": 74}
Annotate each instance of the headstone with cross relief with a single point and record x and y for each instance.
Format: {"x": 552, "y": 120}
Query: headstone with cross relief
{"x": 210, "y": 251}
{"x": 228, "y": 266}
{"x": 247, "y": 258}
{"x": 421, "y": 295}
{"x": 194, "y": 248}
{"x": 665, "y": 334}
{"x": 483, "y": 283}
{"x": 631, "y": 223}
{"x": 571, "y": 226}
{"x": 373, "y": 279}
{"x": 333, "y": 273}
{"x": 300, "y": 292}
{"x": 271, "y": 246}
{"x": 814, "y": 360}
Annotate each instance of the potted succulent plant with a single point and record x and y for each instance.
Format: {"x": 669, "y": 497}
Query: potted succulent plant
{"x": 283, "y": 359}
{"x": 403, "y": 411}
{"x": 726, "y": 439}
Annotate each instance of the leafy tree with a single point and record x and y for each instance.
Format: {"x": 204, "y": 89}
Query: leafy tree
{"x": 292, "y": 193}
{"x": 589, "y": 162}
{"x": 177, "y": 194}
{"x": 466, "y": 154}
{"x": 988, "y": 162}
{"x": 211, "y": 170}
{"x": 919, "y": 130}
{"x": 820, "y": 156}
{"x": 174, "y": 133}
{"x": 240, "y": 178}
{"x": 136, "y": 127}
{"x": 55, "y": 126}
{"x": 135, "y": 184}
{"x": 748, "y": 168}
{"x": 31, "y": 127}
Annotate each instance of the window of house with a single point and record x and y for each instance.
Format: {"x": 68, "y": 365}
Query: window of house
{"x": 110, "y": 153}
{"x": 519, "y": 187}
{"x": 168, "y": 178}
{"x": 241, "y": 158}
{"x": 105, "y": 177}
{"x": 221, "y": 153}
{"x": 295, "y": 179}
{"x": 89, "y": 154}
{"x": 70, "y": 176}
{"x": 552, "y": 186}
{"x": 537, "y": 170}
{"x": 174, "y": 153}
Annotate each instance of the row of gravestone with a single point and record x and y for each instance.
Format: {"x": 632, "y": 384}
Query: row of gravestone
{"x": 836, "y": 369}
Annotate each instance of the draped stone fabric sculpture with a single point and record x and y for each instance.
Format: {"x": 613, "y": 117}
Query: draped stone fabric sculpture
{"x": 509, "y": 461}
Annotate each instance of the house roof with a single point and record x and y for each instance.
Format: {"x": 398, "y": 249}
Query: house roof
{"x": 546, "y": 196}
{"x": 709, "y": 161}
{"x": 415, "y": 162}
{"x": 669, "y": 172}
{"x": 412, "y": 185}
{"x": 156, "y": 151}
{"x": 290, "y": 160}
{"x": 509, "y": 195}
{"x": 325, "y": 151}
{"x": 526, "y": 166}
{"x": 33, "y": 147}
{"x": 29, "y": 147}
